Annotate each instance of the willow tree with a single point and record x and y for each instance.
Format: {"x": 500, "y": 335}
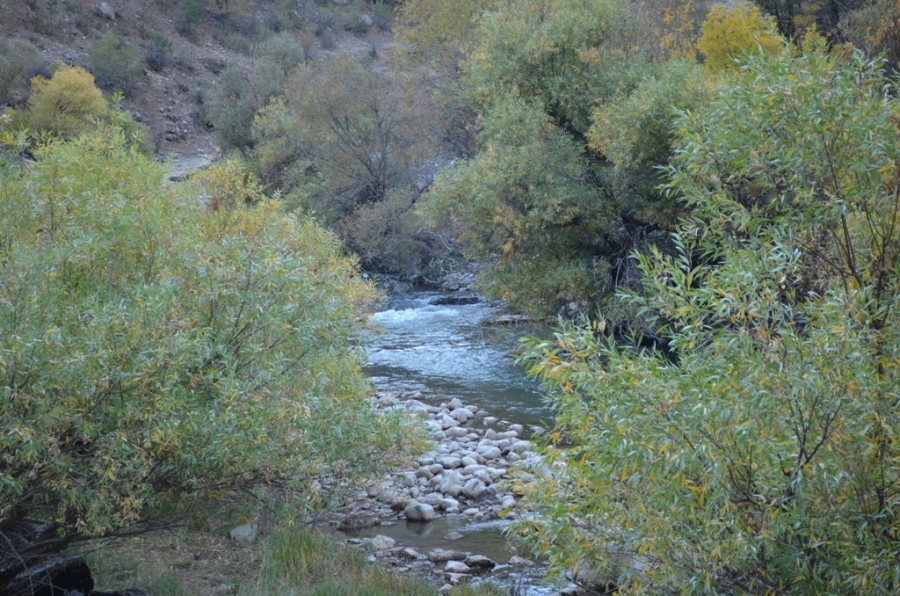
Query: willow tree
{"x": 761, "y": 453}
{"x": 158, "y": 352}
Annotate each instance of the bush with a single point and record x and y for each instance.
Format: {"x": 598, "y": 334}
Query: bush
{"x": 147, "y": 367}
{"x": 65, "y": 103}
{"x": 19, "y": 58}
{"x": 189, "y": 15}
{"x": 159, "y": 51}
{"x": 114, "y": 63}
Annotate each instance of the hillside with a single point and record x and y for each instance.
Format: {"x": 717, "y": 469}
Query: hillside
{"x": 173, "y": 99}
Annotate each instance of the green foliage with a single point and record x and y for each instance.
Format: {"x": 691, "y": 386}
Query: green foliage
{"x": 575, "y": 119}
{"x": 241, "y": 94}
{"x": 730, "y": 32}
{"x": 18, "y": 59}
{"x": 561, "y": 54}
{"x": 159, "y": 51}
{"x": 875, "y": 27}
{"x": 637, "y": 132}
{"x": 114, "y": 63}
{"x": 527, "y": 196}
{"x": 762, "y": 456}
{"x": 65, "y": 103}
{"x": 190, "y": 13}
{"x": 146, "y": 367}
{"x": 342, "y": 141}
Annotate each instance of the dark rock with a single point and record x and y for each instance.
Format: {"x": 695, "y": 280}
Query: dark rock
{"x": 455, "y": 300}
{"x": 358, "y": 522}
{"x": 60, "y": 576}
{"x": 479, "y": 562}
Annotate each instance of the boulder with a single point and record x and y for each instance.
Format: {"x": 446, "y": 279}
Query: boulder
{"x": 107, "y": 11}
{"x": 421, "y": 512}
{"x": 473, "y": 488}
{"x": 383, "y": 543}
{"x": 480, "y": 562}
{"x": 245, "y": 533}
{"x": 456, "y": 567}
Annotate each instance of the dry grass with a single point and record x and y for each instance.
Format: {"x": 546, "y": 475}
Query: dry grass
{"x": 180, "y": 562}
{"x": 289, "y": 562}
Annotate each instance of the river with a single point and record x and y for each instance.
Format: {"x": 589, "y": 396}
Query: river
{"x": 443, "y": 352}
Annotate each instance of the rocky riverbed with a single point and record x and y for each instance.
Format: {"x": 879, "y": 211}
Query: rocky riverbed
{"x": 468, "y": 478}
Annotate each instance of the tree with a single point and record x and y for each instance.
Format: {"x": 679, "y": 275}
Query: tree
{"x": 730, "y": 32}
{"x": 148, "y": 369}
{"x": 541, "y": 198}
{"x": 527, "y": 205}
{"x": 760, "y": 454}
{"x": 342, "y": 141}
{"x": 65, "y": 103}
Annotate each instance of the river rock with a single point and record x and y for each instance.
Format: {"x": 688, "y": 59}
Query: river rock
{"x": 451, "y": 484}
{"x": 425, "y": 473}
{"x": 455, "y": 404}
{"x": 488, "y": 452}
{"x": 442, "y": 555}
{"x": 473, "y": 488}
{"x": 416, "y": 511}
{"x": 411, "y": 554}
{"x": 468, "y": 460}
{"x": 456, "y": 567}
{"x": 479, "y": 562}
{"x": 382, "y": 542}
{"x": 456, "y": 432}
{"x": 450, "y": 462}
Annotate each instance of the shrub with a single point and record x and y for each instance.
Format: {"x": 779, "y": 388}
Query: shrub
{"x": 65, "y": 103}
{"x": 357, "y": 23}
{"x": 114, "y": 63}
{"x": 159, "y": 51}
{"x": 189, "y": 14}
{"x": 18, "y": 59}
{"x": 383, "y": 15}
{"x": 156, "y": 353}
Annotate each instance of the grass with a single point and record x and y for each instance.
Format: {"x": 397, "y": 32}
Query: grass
{"x": 289, "y": 562}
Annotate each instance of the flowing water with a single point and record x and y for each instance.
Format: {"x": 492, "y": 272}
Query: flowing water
{"x": 445, "y": 351}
